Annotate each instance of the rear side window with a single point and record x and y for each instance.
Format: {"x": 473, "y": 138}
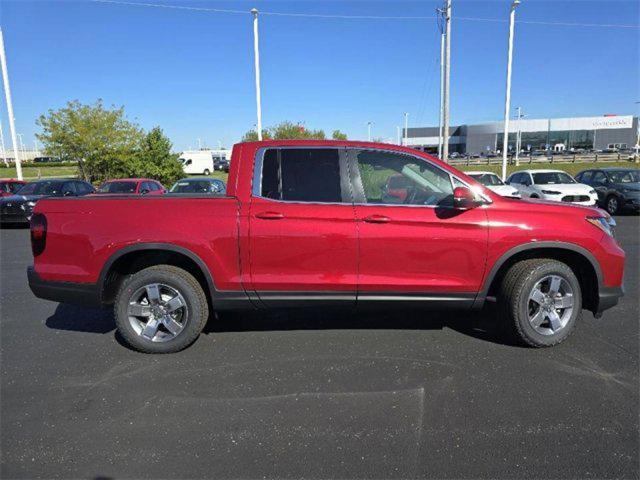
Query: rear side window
{"x": 301, "y": 175}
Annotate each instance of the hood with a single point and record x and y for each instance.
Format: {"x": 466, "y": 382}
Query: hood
{"x": 504, "y": 190}
{"x": 21, "y": 198}
{"x": 567, "y": 188}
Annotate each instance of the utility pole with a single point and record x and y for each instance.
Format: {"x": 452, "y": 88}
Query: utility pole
{"x": 369, "y": 131}
{"x": 4, "y": 152}
{"x": 440, "y": 13}
{"x": 256, "y": 57}
{"x": 507, "y": 99}
{"x": 7, "y": 94}
{"x": 447, "y": 78}
{"x": 406, "y": 128}
{"x": 519, "y": 136}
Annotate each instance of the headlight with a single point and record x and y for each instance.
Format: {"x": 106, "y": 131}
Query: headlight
{"x": 606, "y": 224}
{"x": 592, "y": 192}
{"x": 551, "y": 192}
{"x": 28, "y": 205}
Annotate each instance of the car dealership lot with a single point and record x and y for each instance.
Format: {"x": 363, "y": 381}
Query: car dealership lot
{"x": 316, "y": 393}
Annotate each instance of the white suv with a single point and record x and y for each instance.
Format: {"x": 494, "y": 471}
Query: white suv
{"x": 493, "y": 182}
{"x": 553, "y": 185}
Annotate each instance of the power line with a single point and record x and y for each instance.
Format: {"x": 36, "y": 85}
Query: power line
{"x": 360, "y": 17}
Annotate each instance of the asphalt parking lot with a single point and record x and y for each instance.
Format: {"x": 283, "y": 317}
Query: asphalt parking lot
{"x": 316, "y": 394}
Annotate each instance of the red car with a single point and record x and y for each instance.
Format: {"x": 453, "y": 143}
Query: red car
{"x": 132, "y": 186}
{"x": 312, "y": 223}
{"x": 10, "y": 186}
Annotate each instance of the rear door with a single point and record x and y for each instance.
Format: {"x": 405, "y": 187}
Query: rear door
{"x": 412, "y": 243}
{"x": 302, "y": 231}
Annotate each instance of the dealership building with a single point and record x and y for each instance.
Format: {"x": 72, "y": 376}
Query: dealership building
{"x": 609, "y": 131}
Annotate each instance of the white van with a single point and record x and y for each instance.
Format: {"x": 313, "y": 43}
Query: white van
{"x": 197, "y": 162}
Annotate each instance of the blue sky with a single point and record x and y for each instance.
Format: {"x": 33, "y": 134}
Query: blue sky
{"x": 192, "y": 72}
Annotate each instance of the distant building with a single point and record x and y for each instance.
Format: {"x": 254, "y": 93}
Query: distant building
{"x": 619, "y": 131}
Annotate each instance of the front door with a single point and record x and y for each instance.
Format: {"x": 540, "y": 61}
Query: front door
{"x": 412, "y": 241}
{"x": 302, "y": 230}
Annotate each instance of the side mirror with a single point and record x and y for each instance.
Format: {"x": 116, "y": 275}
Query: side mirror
{"x": 463, "y": 198}
{"x": 144, "y": 191}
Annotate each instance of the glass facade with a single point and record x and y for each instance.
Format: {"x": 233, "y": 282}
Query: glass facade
{"x": 540, "y": 140}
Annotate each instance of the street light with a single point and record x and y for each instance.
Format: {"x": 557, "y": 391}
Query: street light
{"x": 256, "y": 58}
{"x": 369, "y": 131}
{"x": 507, "y": 99}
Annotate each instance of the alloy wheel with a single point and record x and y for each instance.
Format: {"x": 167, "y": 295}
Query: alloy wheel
{"x": 157, "y": 312}
{"x": 550, "y": 305}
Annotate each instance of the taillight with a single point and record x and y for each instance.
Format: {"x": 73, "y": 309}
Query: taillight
{"x": 38, "y": 233}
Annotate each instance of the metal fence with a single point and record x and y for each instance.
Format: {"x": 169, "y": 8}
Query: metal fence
{"x": 560, "y": 158}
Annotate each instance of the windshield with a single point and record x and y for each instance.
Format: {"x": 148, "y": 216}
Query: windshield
{"x": 195, "y": 186}
{"x": 41, "y": 188}
{"x": 487, "y": 179}
{"x": 624, "y": 176}
{"x": 552, "y": 178}
{"x": 118, "y": 187}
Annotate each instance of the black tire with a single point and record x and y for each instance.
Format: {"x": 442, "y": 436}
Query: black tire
{"x": 534, "y": 196}
{"x": 514, "y": 300}
{"x": 206, "y": 172}
{"x": 176, "y": 278}
{"x": 612, "y": 204}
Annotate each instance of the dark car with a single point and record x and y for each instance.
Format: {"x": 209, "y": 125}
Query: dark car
{"x": 17, "y": 209}
{"x": 617, "y": 188}
{"x": 9, "y": 186}
{"x": 199, "y": 185}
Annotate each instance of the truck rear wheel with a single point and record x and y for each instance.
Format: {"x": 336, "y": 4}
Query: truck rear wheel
{"x": 161, "y": 309}
{"x": 540, "y": 301}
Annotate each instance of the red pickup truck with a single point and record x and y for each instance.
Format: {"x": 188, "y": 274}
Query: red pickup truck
{"x": 316, "y": 223}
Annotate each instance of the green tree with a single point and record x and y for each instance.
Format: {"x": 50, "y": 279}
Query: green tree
{"x": 252, "y": 136}
{"x": 155, "y": 160}
{"x": 338, "y": 135}
{"x": 285, "y": 131}
{"x": 101, "y": 139}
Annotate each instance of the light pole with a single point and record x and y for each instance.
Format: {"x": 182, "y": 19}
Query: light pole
{"x": 520, "y": 116}
{"x": 21, "y": 144}
{"x": 406, "y": 128}
{"x": 7, "y": 94}
{"x": 507, "y": 99}
{"x": 447, "y": 79}
{"x": 398, "y": 134}
{"x": 369, "y": 131}
{"x": 256, "y": 57}
{"x": 4, "y": 152}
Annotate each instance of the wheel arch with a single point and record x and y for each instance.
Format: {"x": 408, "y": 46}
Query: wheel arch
{"x": 136, "y": 257}
{"x": 580, "y": 260}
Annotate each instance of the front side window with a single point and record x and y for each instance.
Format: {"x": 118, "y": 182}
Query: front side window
{"x": 397, "y": 179}
{"x": 301, "y": 175}
{"x": 599, "y": 178}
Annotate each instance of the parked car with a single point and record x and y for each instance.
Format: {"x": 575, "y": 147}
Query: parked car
{"x": 221, "y": 163}
{"x": 18, "y": 208}
{"x": 198, "y": 185}
{"x": 45, "y": 159}
{"x": 304, "y": 222}
{"x": 617, "y": 188}
{"x": 494, "y": 183}
{"x": 132, "y": 186}
{"x": 554, "y": 185}
{"x": 9, "y": 186}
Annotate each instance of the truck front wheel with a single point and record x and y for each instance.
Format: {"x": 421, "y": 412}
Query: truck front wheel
{"x": 160, "y": 309}
{"x": 540, "y": 300}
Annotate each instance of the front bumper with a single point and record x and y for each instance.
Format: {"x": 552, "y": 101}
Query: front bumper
{"x": 15, "y": 218}
{"x": 85, "y": 294}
